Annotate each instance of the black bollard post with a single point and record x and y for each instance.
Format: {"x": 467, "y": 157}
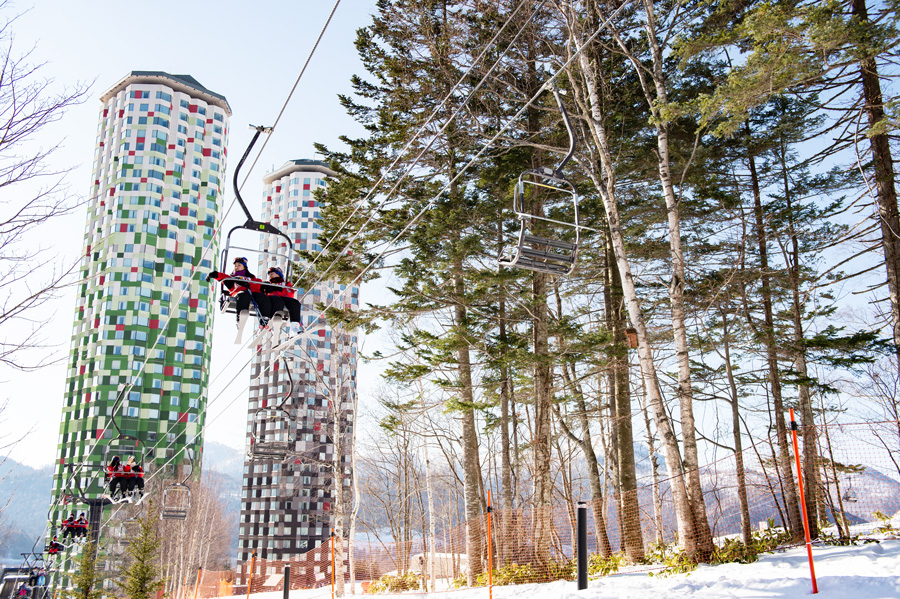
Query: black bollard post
{"x": 287, "y": 582}
{"x": 582, "y": 546}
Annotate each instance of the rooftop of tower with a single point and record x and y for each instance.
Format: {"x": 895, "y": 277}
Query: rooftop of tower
{"x": 299, "y": 164}
{"x": 182, "y": 83}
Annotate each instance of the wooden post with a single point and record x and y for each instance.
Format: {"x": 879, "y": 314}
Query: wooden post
{"x": 490, "y": 550}
{"x": 812, "y": 568}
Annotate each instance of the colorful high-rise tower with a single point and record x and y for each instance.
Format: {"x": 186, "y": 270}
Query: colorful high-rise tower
{"x": 288, "y": 506}
{"x": 139, "y": 357}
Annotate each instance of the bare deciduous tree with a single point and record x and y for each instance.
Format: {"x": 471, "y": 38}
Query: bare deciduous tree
{"x": 32, "y": 192}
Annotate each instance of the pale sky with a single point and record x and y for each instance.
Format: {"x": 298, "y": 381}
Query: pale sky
{"x": 249, "y": 52}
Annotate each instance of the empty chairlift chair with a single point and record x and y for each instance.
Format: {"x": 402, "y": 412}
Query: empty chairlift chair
{"x": 850, "y": 495}
{"x": 546, "y": 207}
{"x": 176, "y": 502}
{"x": 275, "y": 442}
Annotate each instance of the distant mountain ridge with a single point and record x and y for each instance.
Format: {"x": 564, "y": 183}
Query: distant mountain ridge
{"x": 25, "y": 493}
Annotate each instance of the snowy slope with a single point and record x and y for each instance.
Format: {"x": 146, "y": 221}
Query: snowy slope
{"x": 862, "y": 572}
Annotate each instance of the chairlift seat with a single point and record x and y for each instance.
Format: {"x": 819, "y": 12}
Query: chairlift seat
{"x": 176, "y": 502}
{"x": 270, "y": 450}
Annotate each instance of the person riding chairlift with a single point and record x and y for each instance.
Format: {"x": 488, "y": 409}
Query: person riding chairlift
{"x": 81, "y": 526}
{"x": 116, "y": 474}
{"x": 135, "y": 478}
{"x": 243, "y": 293}
{"x": 55, "y": 546}
{"x": 280, "y": 298}
{"x": 68, "y": 527}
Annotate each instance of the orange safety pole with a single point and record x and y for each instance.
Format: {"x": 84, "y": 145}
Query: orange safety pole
{"x": 812, "y": 568}
{"x": 199, "y": 575}
{"x": 250, "y": 578}
{"x": 332, "y": 563}
{"x": 490, "y": 550}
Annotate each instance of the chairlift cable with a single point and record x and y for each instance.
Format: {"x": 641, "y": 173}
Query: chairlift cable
{"x": 477, "y": 157}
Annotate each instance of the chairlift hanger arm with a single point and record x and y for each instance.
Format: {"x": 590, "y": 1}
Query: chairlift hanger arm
{"x": 251, "y": 222}
{"x": 237, "y": 170}
{"x": 557, "y": 94}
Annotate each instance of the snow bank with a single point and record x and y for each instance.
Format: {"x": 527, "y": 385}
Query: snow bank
{"x": 861, "y": 572}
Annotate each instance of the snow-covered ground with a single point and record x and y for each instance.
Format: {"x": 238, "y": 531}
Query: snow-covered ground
{"x": 861, "y": 572}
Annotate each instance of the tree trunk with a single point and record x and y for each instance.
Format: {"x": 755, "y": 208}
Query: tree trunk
{"x": 807, "y": 418}
{"x": 676, "y": 291}
{"x": 629, "y": 508}
{"x": 885, "y": 188}
{"x": 541, "y": 449}
{"x": 687, "y": 532}
{"x": 736, "y": 433}
{"x": 471, "y": 472}
{"x": 790, "y": 494}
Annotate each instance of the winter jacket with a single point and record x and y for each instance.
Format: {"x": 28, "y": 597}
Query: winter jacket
{"x": 284, "y": 291}
{"x": 234, "y": 288}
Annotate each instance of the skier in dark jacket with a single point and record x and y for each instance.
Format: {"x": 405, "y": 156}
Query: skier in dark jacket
{"x": 281, "y": 296}
{"x": 68, "y": 526}
{"x": 244, "y": 293}
{"x": 116, "y": 475}
{"x": 81, "y": 525}
{"x": 55, "y": 546}
{"x": 135, "y": 478}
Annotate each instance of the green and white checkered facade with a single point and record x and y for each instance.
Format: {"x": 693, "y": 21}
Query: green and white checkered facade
{"x": 158, "y": 180}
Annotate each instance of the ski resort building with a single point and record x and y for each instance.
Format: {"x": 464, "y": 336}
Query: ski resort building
{"x": 288, "y": 506}
{"x": 138, "y": 366}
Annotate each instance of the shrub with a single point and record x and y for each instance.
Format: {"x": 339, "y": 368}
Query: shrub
{"x": 409, "y": 581}
{"x": 510, "y": 574}
{"x": 604, "y": 566}
{"x": 677, "y": 562}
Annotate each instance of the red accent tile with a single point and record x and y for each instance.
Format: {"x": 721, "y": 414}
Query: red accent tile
{"x": 154, "y": 323}
{"x": 168, "y": 370}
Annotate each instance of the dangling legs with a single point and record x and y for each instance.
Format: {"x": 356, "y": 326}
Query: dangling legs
{"x": 243, "y": 314}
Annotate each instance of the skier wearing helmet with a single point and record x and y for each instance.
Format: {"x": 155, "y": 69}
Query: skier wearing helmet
{"x": 115, "y": 473}
{"x": 281, "y": 296}
{"x": 243, "y": 293}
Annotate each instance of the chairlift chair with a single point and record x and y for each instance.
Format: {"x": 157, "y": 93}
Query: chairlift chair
{"x": 176, "y": 501}
{"x": 263, "y": 448}
{"x": 541, "y": 246}
{"x": 849, "y": 494}
{"x": 124, "y": 446}
{"x": 231, "y": 250}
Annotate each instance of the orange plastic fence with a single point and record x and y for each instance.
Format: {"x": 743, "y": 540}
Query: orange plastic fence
{"x": 856, "y": 492}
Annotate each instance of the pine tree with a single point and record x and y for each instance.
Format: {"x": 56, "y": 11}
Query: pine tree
{"x": 87, "y": 581}
{"x": 142, "y": 577}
